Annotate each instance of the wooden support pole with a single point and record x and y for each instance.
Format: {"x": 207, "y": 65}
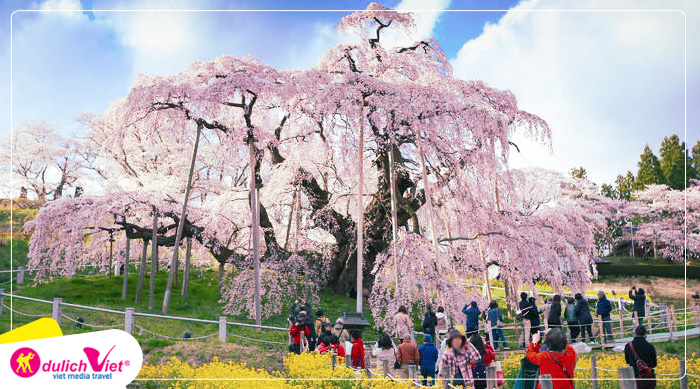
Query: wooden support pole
{"x": 683, "y": 375}
{"x": 546, "y": 381}
{"x": 672, "y": 323}
{"x": 594, "y": 373}
{"x": 601, "y": 332}
{"x": 627, "y": 380}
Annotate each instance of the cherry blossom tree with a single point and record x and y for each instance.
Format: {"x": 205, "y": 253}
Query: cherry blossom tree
{"x": 367, "y": 124}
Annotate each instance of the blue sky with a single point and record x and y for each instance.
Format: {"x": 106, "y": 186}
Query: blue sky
{"x": 607, "y": 82}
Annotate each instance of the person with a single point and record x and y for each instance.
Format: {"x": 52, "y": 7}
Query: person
{"x": 340, "y": 331}
{"x": 554, "y": 316}
{"x": 357, "y": 353}
{"x": 559, "y": 361}
{"x": 545, "y": 309}
{"x": 320, "y": 320}
{"x": 495, "y": 318}
{"x": 325, "y": 334}
{"x": 407, "y": 355}
{"x": 583, "y": 315}
{"x": 488, "y": 356}
{"x": 312, "y": 329}
{"x": 384, "y": 350}
{"x": 79, "y": 322}
{"x": 524, "y": 313}
{"x": 456, "y": 363}
{"x": 337, "y": 347}
{"x": 641, "y": 355}
{"x": 603, "y": 308}
{"x": 534, "y": 316}
{"x": 296, "y": 330}
{"x": 404, "y": 325}
{"x": 472, "y": 311}
{"x": 428, "y": 355}
{"x": 303, "y": 306}
{"x": 186, "y": 336}
{"x": 571, "y": 319}
{"x": 429, "y": 321}
{"x": 441, "y": 351}
{"x": 640, "y": 302}
{"x": 441, "y": 327}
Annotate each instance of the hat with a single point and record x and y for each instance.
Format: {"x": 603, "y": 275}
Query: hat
{"x": 455, "y": 333}
{"x": 427, "y": 338}
{"x": 460, "y": 329}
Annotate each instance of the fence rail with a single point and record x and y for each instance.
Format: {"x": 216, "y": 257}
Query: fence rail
{"x": 128, "y": 319}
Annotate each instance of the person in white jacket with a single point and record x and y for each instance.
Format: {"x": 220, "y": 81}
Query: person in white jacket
{"x": 385, "y": 350}
{"x": 442, "y": 324}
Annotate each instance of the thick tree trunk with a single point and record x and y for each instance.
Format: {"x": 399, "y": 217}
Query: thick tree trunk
{"x": 142, "y": 270}
{"x": 154, "y": 261}
{"x": 181, "y": 225}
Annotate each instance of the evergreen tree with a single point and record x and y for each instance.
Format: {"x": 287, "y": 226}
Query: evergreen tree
{"x": 673, "y": 160}
{"x": 625, "y": 185}
{"x": 649, "y": 170}
{"x": 695, "y": 160}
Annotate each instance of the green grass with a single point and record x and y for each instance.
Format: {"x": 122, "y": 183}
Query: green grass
{"x": 19, "y": 250}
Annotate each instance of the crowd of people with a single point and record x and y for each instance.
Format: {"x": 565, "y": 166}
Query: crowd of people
{"x": 462, "y": 354}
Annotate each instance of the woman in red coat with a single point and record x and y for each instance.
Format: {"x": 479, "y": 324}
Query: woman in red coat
{"x": 559, "y": 360}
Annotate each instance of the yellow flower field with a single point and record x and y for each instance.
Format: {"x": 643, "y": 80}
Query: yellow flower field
{"x": 315, "y": 371}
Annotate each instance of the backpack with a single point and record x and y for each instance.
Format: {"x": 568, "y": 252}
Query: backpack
{"x": 479, "y": 372}
{"x": 642, "y": 367}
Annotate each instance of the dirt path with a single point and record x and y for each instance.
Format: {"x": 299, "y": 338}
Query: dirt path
{"x": 668, "y": 290}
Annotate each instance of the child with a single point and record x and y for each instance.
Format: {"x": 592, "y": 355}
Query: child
{"x": 428, "y": 357}
{"x": 295, "y": 331}
{"x": 337, "y": 347}
{"x": 357, "y": 355}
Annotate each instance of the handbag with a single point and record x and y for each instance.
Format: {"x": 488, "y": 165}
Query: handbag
{"x": 397, "y": 365}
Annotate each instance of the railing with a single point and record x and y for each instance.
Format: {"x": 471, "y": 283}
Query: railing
{"x": 127, "y": 320}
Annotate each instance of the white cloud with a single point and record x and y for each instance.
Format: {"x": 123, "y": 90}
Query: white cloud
{"x": 426, "y": 14}
{"x": 606, "y": 82}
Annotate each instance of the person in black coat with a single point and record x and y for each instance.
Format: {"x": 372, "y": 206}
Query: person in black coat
{"x": 640, "y": 301}
{"x": 646, "y": 352}
{"x": 583, "y": 313}
{"x": 554, "y": 318}
{"x": 534, "y": 316}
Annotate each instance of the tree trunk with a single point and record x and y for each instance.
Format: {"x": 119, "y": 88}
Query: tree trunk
{"x": 221, "y": 275}
{"x": 154, "y": 261}
{"x": 142, "y": 271}
{"x": 181, "y": 225}
{"x": 126, "y": 268}
{"x": 291, "y": 214}
{"x": 186, "y": 270}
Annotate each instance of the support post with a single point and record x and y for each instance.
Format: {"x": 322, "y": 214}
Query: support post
{"x": 125, "y": 281}
{"x": 635, "y": 316}
{"x": 647, "y": 310}
{"x": 491, "y": 381}
{"x": 594, "y": 373}
{"x": 347, "y": 360}
{"x": 546, "y": 381}
{"x": 601, "y": 332}
{"x": 2, "y": 299}
{"x": 683, "y": 375}
{"x": 368, "y": 366}
{"x": 490, "y": 333}
{"x": 621, "y": 320}
{"x": 672, "y": 323}
{"x": 627, "y": 380}
{"x": 222, "y": 329}
{"x": 334, "y": 360}
{"x": 20, "y": 274}
{"x": 129, "y": 320}
{"x": 360, "y": 212}
{"x": 56, "y": 311}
